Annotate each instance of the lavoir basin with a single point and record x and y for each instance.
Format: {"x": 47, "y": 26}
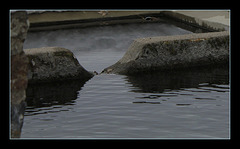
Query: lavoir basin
{"x": 189, "y": 103}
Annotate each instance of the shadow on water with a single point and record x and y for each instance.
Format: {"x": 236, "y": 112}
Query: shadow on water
{"x": 50, "y": 94}
{"x": 40, "y": 96}
{"x": 158, "y": 82}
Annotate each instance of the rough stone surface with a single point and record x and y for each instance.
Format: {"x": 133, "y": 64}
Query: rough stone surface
{"x": 54, "y": 64}
{"x": 19, "y": 27}
{"x": 173, "y": 52}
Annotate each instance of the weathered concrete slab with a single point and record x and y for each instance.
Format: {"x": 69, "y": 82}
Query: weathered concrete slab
{"x": 201, "y": 19}
{"x": 54, "y": 64}
{"x": 53, "y": 20}
{"x": 219, "y": 16}
{"x": 173, "y": 52}
{"x": 55, "y": 16}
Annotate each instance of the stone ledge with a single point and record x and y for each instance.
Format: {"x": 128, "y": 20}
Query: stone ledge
{"x": 196, "y": 20}
{"x": 173, "y": 52}
{"x": 193, "y": 20}
{"x": 49, "y": 64}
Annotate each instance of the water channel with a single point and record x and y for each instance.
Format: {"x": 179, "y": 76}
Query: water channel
{"x": 192, "y": 103}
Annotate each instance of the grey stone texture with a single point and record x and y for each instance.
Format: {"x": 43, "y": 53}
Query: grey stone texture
{"x": 173, "y": 52}
{"x": 54, "y": 64}
{"x": 19, "y": 27}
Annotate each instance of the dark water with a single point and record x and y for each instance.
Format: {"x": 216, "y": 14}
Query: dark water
{"x": 192, "y": 103}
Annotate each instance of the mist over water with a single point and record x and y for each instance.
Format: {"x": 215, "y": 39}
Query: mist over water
{"x": 99, "y": 47}
{"x": 192, "y": 103}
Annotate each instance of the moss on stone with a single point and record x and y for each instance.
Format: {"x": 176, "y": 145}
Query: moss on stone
{"x": 54, "y": 63}
{"x": 219, "y": 42}
{"x": 63, "y": 53}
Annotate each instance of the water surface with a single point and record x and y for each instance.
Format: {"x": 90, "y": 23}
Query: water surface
{"x": 192, "y": 103}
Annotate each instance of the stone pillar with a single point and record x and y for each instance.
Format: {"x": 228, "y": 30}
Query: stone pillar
{"x": 19, "y": 69}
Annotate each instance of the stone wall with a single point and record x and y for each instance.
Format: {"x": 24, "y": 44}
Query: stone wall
{"x": 19, "y": 27}
{"x": 173, "y": 52}
{"x": 49, "y": 64}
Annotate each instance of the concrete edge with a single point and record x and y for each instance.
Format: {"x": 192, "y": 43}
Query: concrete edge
{"x": 90, "y": 21}
{"x": 194, "y": 21}
{"x": 173, "y": 52}
{"x": 72, "y": 20}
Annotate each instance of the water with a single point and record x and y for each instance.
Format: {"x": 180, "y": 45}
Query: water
{"x": 181, "y": 104}
{"x": 99, "y": 47}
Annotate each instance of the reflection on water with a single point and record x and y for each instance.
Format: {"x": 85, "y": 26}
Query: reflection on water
{"x": 188, "y": 83}
{"x": 159, "y": 82}
{"x": 42, "y": 99}
{"x": 179, "y": 104}
{"x": 42, "y": 96}
{"x": 192, "y": 103}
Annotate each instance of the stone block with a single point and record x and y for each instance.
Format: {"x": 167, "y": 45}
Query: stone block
{"x": 54, "y": 64}
{"x": 173, "y": 52}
